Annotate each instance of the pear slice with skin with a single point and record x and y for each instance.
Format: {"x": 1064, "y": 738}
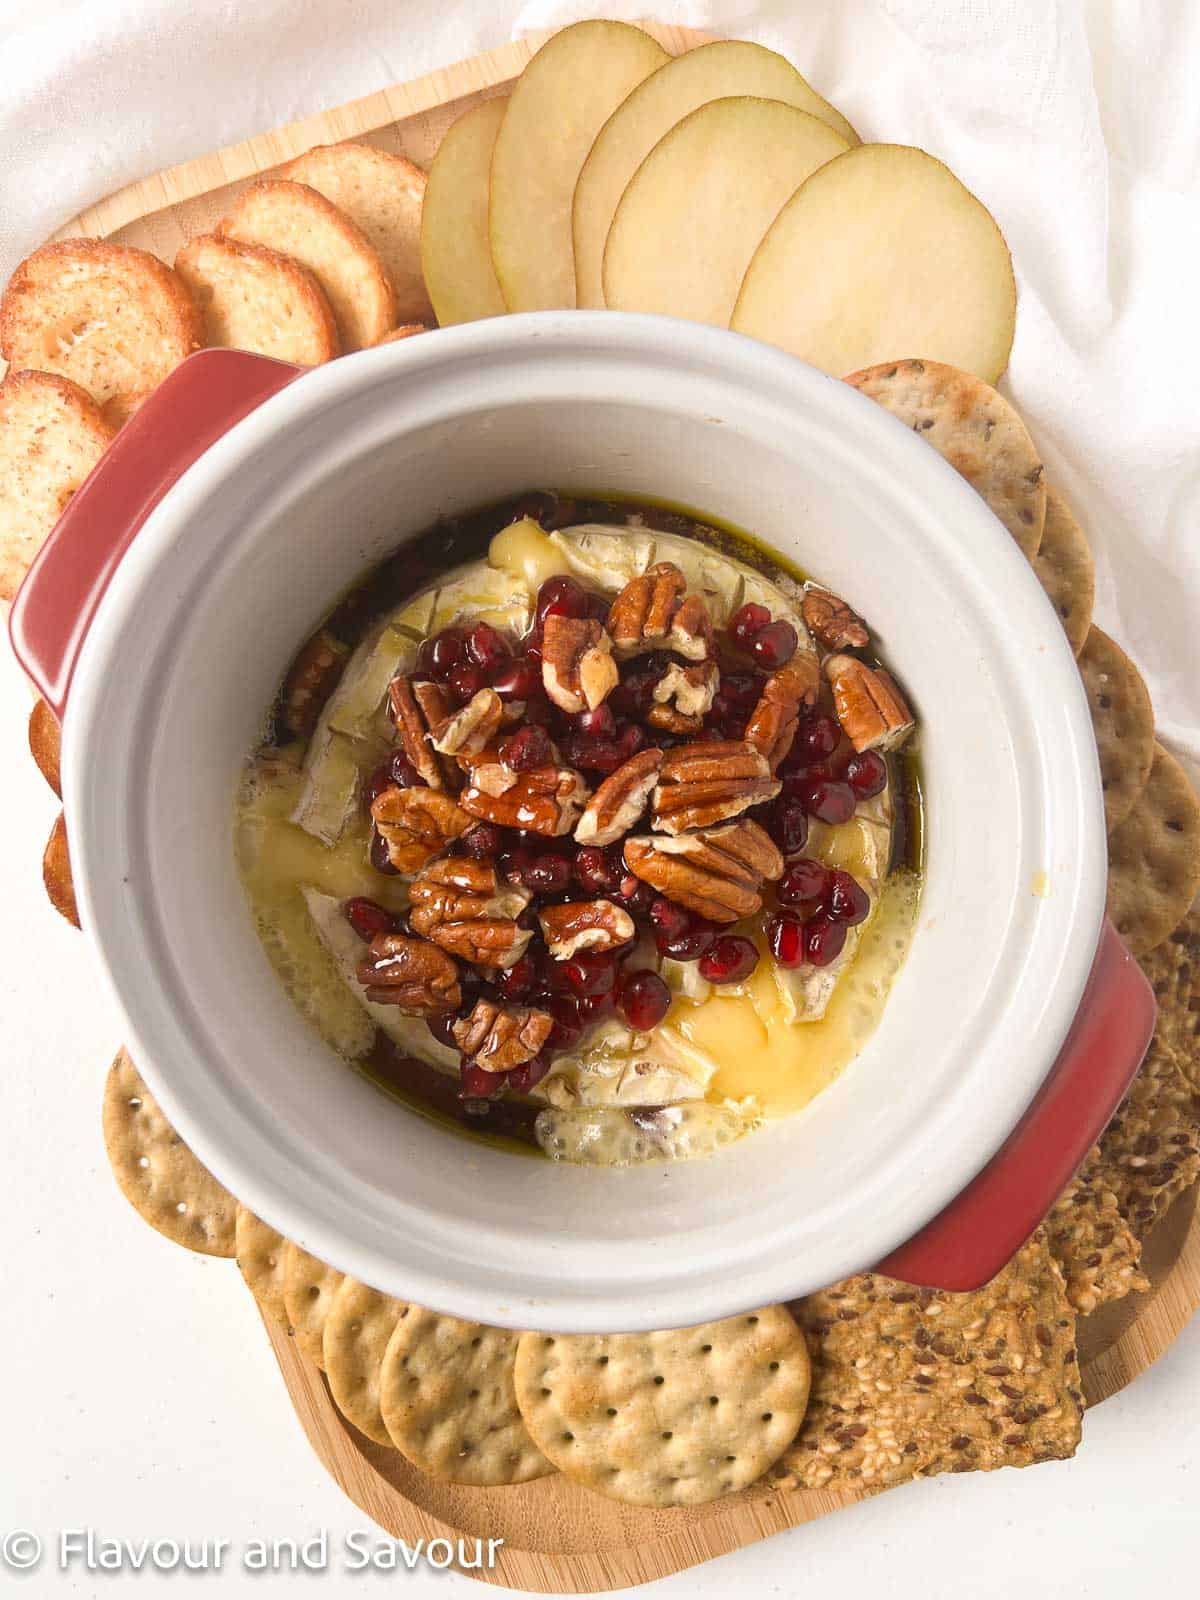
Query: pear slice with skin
{"x": 697, "y": 207}
{"x": 710, "y": 72}
{"x": 560, "y": 102}
{"x": 456, "y": 256}
{"x": 882, "y": 255}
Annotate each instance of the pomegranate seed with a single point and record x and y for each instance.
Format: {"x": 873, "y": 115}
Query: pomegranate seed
{"x": 526, "y": 749}
{"x": 598, "y": 607}
{"x": 533, "y": 647}
{"x": 867, "y": 774}
{"x": 597, "y": 871}
{"x": 546, "y": 874}
{"x": 637, "y": 897}
{"x": 589, "y": 975}
{"x": 379, "y": 857}
{"x": 730, "y": 960}
{"x": 643, "y": 1000}
{"x": 518, "y": 680}
{"x": 827, "y": 800}
{"x": 747, "y": 622}
{"x": 846, "y": 900}
{"x": 823, "y": 940}
{"x": 774, "y": 645}
{"x": 484, "y": 841}
{"x": 785, "y": 936}
{"x": 441, "y": 654}
{"x": 594, "y": 755}
{"x": 690, "y": 946}
{"x": 567, "y": 1026}
{"x": 465, "y": 682}
{"x": 539, "y": 713}
{"x": 597, "y": 724}
{"x": 527, "y": 1076}
{"x": 476, "y": 1084}
{"x": 804, "y": 880}
{"x": 368, "y": 918}
{"x": 560, "y": 597}
{"x": 787, "y": 823}
{"x": 670, "y": 921}
{"x": 379, "y": 780}
{"x": 487, "y": 648}
{"x": 515, "y": 982}
{"x": 440, "y": 1026}
{"x": 630, "y": 740}
{"x": 816, "y": 740}
{"x": 514, "y": 862}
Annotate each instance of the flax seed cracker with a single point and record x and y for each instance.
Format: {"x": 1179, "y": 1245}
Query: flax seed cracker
{"x": 259, "y": 1249}
{"x": 1150, "y": 1152}
{"x": 1173, "y": 968}
{"x": 666, "y": 1419}
{"x": 1154, "y": 858}
{"x": 308, "y": 1290}
{"x": 1092, "y": 1242}
{"x": 1123, "y": 720}
{"x": 1066, "y": 571}
{"x": 358, "y": 1325}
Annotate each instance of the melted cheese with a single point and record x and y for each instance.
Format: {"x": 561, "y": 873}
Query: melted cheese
{"x": 526, "y": 553}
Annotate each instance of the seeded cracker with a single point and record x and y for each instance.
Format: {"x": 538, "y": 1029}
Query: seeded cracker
{"x": 1092, "y": 1242}
{"x": 308, "y": 1290}
{"x": 1150, "y": 1152}
{"x": 157, "y": 1173}
{"x": 358, "y": 1326}
{"x": 1154, "y": 858}
{"x": 259, "y": 1251}
{"x": 911, "y": 1382}
{"x": 1173, "y": 968}
{"x": 1123, "y": 720}
{"x": 1066, "y": 571}
{"x": 56, "y": 873}
{"x": 666, "y": 1419}
{"x": 447, "y": 1397}
{"x": 45, "y": 745}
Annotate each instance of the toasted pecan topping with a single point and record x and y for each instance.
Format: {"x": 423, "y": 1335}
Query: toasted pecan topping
{"x": 462, "y": 906}
{"x": 873, "y": 713}
{"x": 416, "y": 824}
{"x": 578, "y": 670}
{"x": 311, "y": 681}
{"x": 832, "y": 622}
{"x": 620, "y": 800}
{"x": 772, "y": 724}
{"x": 547, "y": 800}
{"x": 416, "y": 977}
{"x": 469, "y": 729}
{"x": 701, "y": 784}
{"x": 716, "y": 872}
{"x": 499, "y": 1038}
{"x": 655, "y": 612}
{"x": 584, "y": 925}
{"x": 416, "y": 707}
{"x": 690, "y": 690}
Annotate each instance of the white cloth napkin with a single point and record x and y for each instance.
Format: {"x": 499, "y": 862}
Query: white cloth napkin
{"x": 1077, "y": 123}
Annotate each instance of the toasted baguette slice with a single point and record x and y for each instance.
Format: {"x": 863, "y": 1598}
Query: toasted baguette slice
{"x": 112, "y": 319}
{"x": 383, "y": 194}
{"x": 51, "y": 436}
{"x": 406, "y": 331}
{"x": 117, "y": 411}
{"x": 301, "y": 223}
{"x": 45, "y": 745}
{"x": 252, "y": 298}
{"x": 56, "y": 872}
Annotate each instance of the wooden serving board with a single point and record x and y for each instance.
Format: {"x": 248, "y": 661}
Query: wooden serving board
{"x": 558, "y": 1538}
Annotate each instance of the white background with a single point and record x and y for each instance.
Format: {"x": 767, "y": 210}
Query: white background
{"x": 141, "y": 1396}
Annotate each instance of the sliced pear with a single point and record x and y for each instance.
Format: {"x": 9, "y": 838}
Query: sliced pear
{"x": 456, "y": 257}
{"x": 561, "y": 101}
{"x": 882, "y": 254}
{"x": 711, "y": 72}
{"x": 697, "y": 207}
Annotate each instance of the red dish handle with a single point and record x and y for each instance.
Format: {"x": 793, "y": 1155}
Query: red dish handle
{"x": 190, "y": 410}
{"x": 966, "y": 1245}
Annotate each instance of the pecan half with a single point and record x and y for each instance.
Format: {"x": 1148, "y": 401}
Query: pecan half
{"x": 584, "y": 925}
{"x": 470, "y": 729}
{"x": 873, "y": 713}
{"x": 499, "y": 1038}
{"x": 683, "y": 696}
{"x": 699, "y": 784}
{"x": 547, "y": 800}
{"x": 620, "y": 800}
{"x": 416, "y": 707}
{"x": 462, "y": 906}
{"x": 717, "y": 872}
{"x": 416, "y": 824}
{"x": 578, "y": 670}
{"x": 311, "y": 681}
{"x": 417, "y": 977}
{"x": 832, "y": 622}
{"x": 655, "y": 612}
{"x": 772, "y": 724}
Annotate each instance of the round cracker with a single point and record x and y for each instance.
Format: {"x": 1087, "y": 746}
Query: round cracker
{"x": 157, "y": 1173}
{"x": 51, "y": 436}
{"x": 45, "y": 745}
{"x": 1066, "y": 571}
{"x": 259, "y": 1250}
{"x": 296, "y": 220}
{"x": 113, "y": 319}
{"x": 1154, "y": 858}
{"x": 308, "y": 1290}
{"x": 448, "y": 1402}
{"x": 383, "y": 195}
{"x": 1123, "y": 719}
{"x": 254, "y": 298}
{"x": 359, "y": 1323}
{"x": 56, "y": 872}
{"x": 1173, "y": 968}
{"x": 975, "y": 429}
{"x": 666, "y": 1419}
